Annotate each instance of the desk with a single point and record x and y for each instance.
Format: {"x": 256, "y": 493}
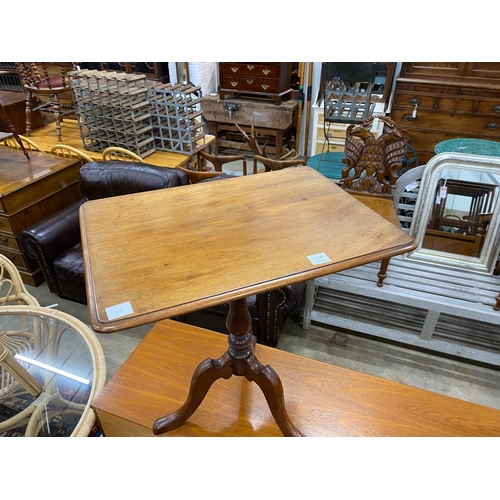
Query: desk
{"x": 295, "y": 223}
{"x": 31, "y": 190}
{"x": 46, "y": 137}
{"x": 322, "y": 399}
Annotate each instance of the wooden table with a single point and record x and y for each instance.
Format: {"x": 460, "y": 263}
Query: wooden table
{"x": 322, "y": 399}
{"x": 46, "y": 137}
{"x": 221, "y": 242}
{"x": 31, "y": 190}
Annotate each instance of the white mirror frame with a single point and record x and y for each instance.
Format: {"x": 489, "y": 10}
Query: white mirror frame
{"x": 486, "y": 262}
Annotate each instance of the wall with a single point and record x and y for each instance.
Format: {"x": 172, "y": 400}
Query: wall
{"x": 200, "y": 73}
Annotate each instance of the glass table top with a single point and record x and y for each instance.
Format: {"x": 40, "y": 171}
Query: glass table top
{"x": 63, "y": 365}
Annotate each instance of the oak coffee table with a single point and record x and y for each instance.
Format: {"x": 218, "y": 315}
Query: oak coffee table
{"x": 160, "y": 254}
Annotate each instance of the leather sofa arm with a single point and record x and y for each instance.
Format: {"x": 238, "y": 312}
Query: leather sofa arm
{"x": 274, "y": 307}
{"x": 50, "y": 237}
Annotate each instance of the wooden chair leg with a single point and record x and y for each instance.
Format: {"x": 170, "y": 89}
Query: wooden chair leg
{"x": 29, "y": 112}
{"x": 56, "y": 109}
{"x": 382, "y": 274}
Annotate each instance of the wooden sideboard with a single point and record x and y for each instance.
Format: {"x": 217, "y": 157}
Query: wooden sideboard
{"x": 321, "y": 399}
{"x": 31, "y": 190}
{"x": 439, "y": 101}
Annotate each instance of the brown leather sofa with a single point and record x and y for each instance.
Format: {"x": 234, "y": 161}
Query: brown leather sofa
{"x": 55, "y": 244}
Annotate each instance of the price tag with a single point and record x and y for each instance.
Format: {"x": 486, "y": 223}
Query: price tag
{"x": 318, "y": 258}
{"x": 123, "y": 309}
{"x": 375, "y": 124}
{"x": 413, "y": 185}
{"x": 443, "y": 192}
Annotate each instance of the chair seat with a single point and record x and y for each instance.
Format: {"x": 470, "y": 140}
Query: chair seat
{"x": 52, "y": 84}
{"x": 69, "y": 265}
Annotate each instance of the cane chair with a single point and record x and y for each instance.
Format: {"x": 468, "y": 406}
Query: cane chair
{"x": 28, "y": 144}
{"x": 13, "y": 292}
{"x": 50, "y": 82}
{"x": 65, "y": 151}
{"x": 120, "y": 154}
{"x": 63, "y": 349}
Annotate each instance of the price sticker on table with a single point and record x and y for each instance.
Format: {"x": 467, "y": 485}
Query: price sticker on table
{"x": 319, "y": 258}
{"x": 123, "y": 309}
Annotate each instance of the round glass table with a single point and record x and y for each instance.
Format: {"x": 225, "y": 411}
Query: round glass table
{"x": 51, "y": 368}
{"x": 471, "y": 146}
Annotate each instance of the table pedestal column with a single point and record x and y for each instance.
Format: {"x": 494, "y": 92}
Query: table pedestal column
{"x": 238, "y": 360}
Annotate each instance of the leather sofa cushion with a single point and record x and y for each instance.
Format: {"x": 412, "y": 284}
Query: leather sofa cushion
{"x": 97, "y": 182}
{"x": 69, "y": 265}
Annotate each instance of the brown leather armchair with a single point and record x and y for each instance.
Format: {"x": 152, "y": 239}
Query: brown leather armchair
{"x": 56, "y": 245}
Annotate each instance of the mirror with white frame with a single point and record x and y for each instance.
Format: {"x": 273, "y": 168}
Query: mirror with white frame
{"x": 456, "y": 220}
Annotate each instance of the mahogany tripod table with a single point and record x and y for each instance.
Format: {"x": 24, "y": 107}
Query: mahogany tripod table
{"x": 160, "y": 254}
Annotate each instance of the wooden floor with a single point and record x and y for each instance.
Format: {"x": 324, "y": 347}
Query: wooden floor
{"x": 46, "y": 137}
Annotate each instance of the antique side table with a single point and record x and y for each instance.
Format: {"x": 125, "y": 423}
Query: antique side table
{"x": 159, "y": 254}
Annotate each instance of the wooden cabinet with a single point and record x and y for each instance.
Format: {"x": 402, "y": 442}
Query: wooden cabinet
{"x": 256, "y": 79}
{"x": 440, "y": 101}
{"x": 31, "y": 190}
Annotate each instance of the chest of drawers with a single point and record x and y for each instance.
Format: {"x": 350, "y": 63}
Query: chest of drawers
{"x": 29, "y": 192}
{"x": 256, "y": 79}
{"x": 440, "y": 101}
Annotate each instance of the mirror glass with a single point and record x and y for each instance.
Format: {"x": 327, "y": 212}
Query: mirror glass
{"x": 457, "y": 216}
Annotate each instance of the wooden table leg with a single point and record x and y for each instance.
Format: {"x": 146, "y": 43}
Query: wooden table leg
{"x": 239, "y": 360}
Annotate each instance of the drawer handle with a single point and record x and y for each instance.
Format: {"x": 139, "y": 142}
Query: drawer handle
{"x": 249, "y": 82}
{"x": 234, "y": 70}
{"x": 250, "y": 67}
{"x": 234, "y": 84}
{"x": 496, "y": 109}
{"x": 414, "y": 101}
{"x": 492, "y": 126}
{"x": 264, "y": 86}
{"x": 266, "y": 71}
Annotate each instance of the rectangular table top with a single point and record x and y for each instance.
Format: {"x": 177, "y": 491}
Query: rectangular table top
{"x": 321, "y": 399}
{"x": 153, "y": 255}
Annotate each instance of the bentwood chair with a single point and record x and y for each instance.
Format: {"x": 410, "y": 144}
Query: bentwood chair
{"x": 65, "y": 151}
{"x": 120, "y": 154}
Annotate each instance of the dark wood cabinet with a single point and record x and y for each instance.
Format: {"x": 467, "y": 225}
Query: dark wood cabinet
{"x": 256, "y": 79}
{"x": 440, "y": 101}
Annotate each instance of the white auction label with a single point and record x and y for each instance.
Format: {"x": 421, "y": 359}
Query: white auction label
{"x": 119, "y": 310}
{"x": 318, "y": 258}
